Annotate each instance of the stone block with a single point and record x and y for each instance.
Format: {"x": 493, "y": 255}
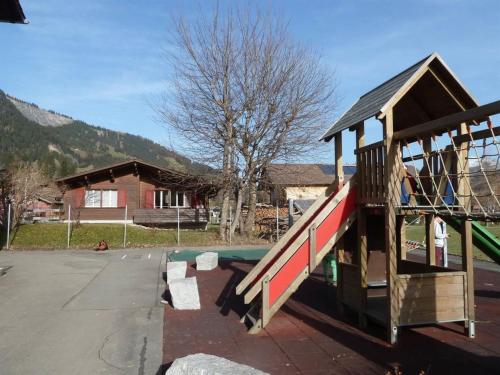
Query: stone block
{"x": 206, "y": 364}
{"x": 176, "y": 270}
{"x": 207, "y": 261}
{"x": 184, "y": 293}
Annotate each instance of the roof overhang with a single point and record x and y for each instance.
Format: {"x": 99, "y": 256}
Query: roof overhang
{"x": 410, "y": 87}
{"x": 12, "y": 12}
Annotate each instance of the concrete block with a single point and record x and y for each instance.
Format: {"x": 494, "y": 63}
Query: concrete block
{"x": 176, "y": 270}
{"x": 207, "y": 261}
{"x": 206, "y": 364}
{"x": 184, "y": 293}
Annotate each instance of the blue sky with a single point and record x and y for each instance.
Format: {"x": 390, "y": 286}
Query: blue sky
{"x": 101, "y": 61}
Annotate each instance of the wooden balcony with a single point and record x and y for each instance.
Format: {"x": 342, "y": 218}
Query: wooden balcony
{"x": 160, "y": 216}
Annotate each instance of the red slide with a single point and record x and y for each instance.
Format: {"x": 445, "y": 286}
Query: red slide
{"x": 290, "y": 260}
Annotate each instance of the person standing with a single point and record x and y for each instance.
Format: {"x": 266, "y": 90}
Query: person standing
{"x": 440, "y": 237}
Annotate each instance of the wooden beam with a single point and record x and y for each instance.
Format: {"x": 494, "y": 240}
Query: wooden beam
{"x": 339, "y": 162}
{"x": 449, "y": 122}
{"x": 481, "y": 134}
{"x": 443, "y": 85}
{"x": 468, "y": 267}
{"x": 312, "y": 248}
{"x": 392, "y": 179}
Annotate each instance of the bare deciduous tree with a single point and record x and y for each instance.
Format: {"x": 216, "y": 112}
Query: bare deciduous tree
{"x": 19, "y": 187}
{"x": 245, "y": 94}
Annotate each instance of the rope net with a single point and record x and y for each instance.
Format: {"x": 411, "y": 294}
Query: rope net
{"x": 454, "y": 175}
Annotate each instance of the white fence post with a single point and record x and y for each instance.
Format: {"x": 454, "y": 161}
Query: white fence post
{"x": 178, "y": 228}
{"x": 277, "y": 223}
{"x": 8, "y": 227}
{"x": 125, "y": 228}
{"x": 69, "y": 226}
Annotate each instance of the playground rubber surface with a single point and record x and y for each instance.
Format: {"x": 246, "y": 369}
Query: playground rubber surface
{"x": 307, "y": 336}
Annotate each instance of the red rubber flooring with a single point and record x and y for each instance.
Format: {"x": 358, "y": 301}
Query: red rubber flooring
{"x": 308, "y": 337}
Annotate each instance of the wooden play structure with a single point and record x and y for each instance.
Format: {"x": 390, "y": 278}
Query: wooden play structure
{"x": 439, "y": 156}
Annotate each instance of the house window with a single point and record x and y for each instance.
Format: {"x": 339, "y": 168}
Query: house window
{"x": 109, "y": 198}
{"x": 161, "y": 198}
{"x": 101, "y": 198}
{"x": 177, "y": 199}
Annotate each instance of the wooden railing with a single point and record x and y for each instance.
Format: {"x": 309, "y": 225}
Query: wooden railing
{"x": 299, "y": 251}
{"x": 371, "y": 173}
{"x": 169, "y": 216}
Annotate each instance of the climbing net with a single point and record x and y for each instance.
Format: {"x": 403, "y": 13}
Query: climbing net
{"x": 454, "y": 175}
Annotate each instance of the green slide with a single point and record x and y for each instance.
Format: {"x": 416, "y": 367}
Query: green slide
{"x": 481, "y": 238}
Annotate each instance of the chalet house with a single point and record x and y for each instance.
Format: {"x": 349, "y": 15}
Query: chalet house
{"x": 48, "y": 205}
{"x": 147, "y": 194}
{"x": 299, "y": 181}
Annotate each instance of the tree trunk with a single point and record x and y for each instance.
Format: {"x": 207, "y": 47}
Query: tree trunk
{"x": 252, "y": 202}
{"x": 237, "y": 214}
{"x": 226, "y": 191}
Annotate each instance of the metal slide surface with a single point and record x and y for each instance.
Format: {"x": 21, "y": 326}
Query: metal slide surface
{"x": 483, "y": 239}
{"x": 288, "y": 263}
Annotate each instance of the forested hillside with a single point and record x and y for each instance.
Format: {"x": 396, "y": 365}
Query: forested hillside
{"x": 61, "y": 145}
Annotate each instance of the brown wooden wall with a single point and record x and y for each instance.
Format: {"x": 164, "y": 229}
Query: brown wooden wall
{"x": 134, "y": 185}
{"x": 432, "y": 297}
{"x": 129, "y": 183}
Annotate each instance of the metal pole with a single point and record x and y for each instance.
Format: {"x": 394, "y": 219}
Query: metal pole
{"x": 125, "y": 228}
{"x": 8, "y": 227}
{"x": 69, "y": 226}
{"x": 178, "y": 228}
{"x": 277, "y": 224}
{"x": 230, "y": 223}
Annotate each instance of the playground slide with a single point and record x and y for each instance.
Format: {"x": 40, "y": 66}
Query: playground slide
{"x": 290, "y": 260}
{"x": 481, "y": 238}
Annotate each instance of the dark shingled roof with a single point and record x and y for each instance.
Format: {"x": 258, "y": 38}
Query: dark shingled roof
{"x": 11, "y": 11}
{"x": 372, "y": 102}
{"x": 304, "y": 174}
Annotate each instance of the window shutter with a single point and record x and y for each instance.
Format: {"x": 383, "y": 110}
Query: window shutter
{"x": 79, "y": 197}
{"x": 122, "y": 198}
{"x": 149, "y": 198}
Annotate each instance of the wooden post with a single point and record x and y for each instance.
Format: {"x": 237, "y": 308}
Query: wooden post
{"x": 265, "y": 301}
{"x": 362, "y": 250}
{"x": 339, "y": 163}
{"x": 393, "y": 165}
{"x": 466, "y": 232}
{"x": 430, "y": 246}
{"x": 312, "y": 248}
{"x": 339, "y": 182}
{"x": 468, "y": 267}
{"x": 402, "y": 231}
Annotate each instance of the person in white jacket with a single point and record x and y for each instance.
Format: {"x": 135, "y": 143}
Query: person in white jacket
{"x": 440, "y": 237}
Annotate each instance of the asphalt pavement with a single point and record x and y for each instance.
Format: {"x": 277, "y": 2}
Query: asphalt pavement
{"x": 81, "y": 312}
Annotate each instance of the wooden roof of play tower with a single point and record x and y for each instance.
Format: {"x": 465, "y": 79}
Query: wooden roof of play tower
{"x": 423, "y": 92}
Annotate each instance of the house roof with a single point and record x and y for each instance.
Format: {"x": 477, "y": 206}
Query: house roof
{"x": 304, "y": 174}
{"x": 50, "y": 194}
{"x": 127, "y": 163}
{"x": 11, "y": 11}
{"x": 163, "y": 175}
{"x": 376, "y": 102}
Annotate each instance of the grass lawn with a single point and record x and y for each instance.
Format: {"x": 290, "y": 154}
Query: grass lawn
{"x": 417, "y": 233}
{"x": 86, "y": 236}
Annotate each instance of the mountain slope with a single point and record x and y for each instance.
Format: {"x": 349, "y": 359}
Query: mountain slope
{"x": 61, "y": 145}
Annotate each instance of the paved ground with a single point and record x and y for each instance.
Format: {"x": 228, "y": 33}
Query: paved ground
{"x": 81, "y": 312}
{"x": 308, "y": 336}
